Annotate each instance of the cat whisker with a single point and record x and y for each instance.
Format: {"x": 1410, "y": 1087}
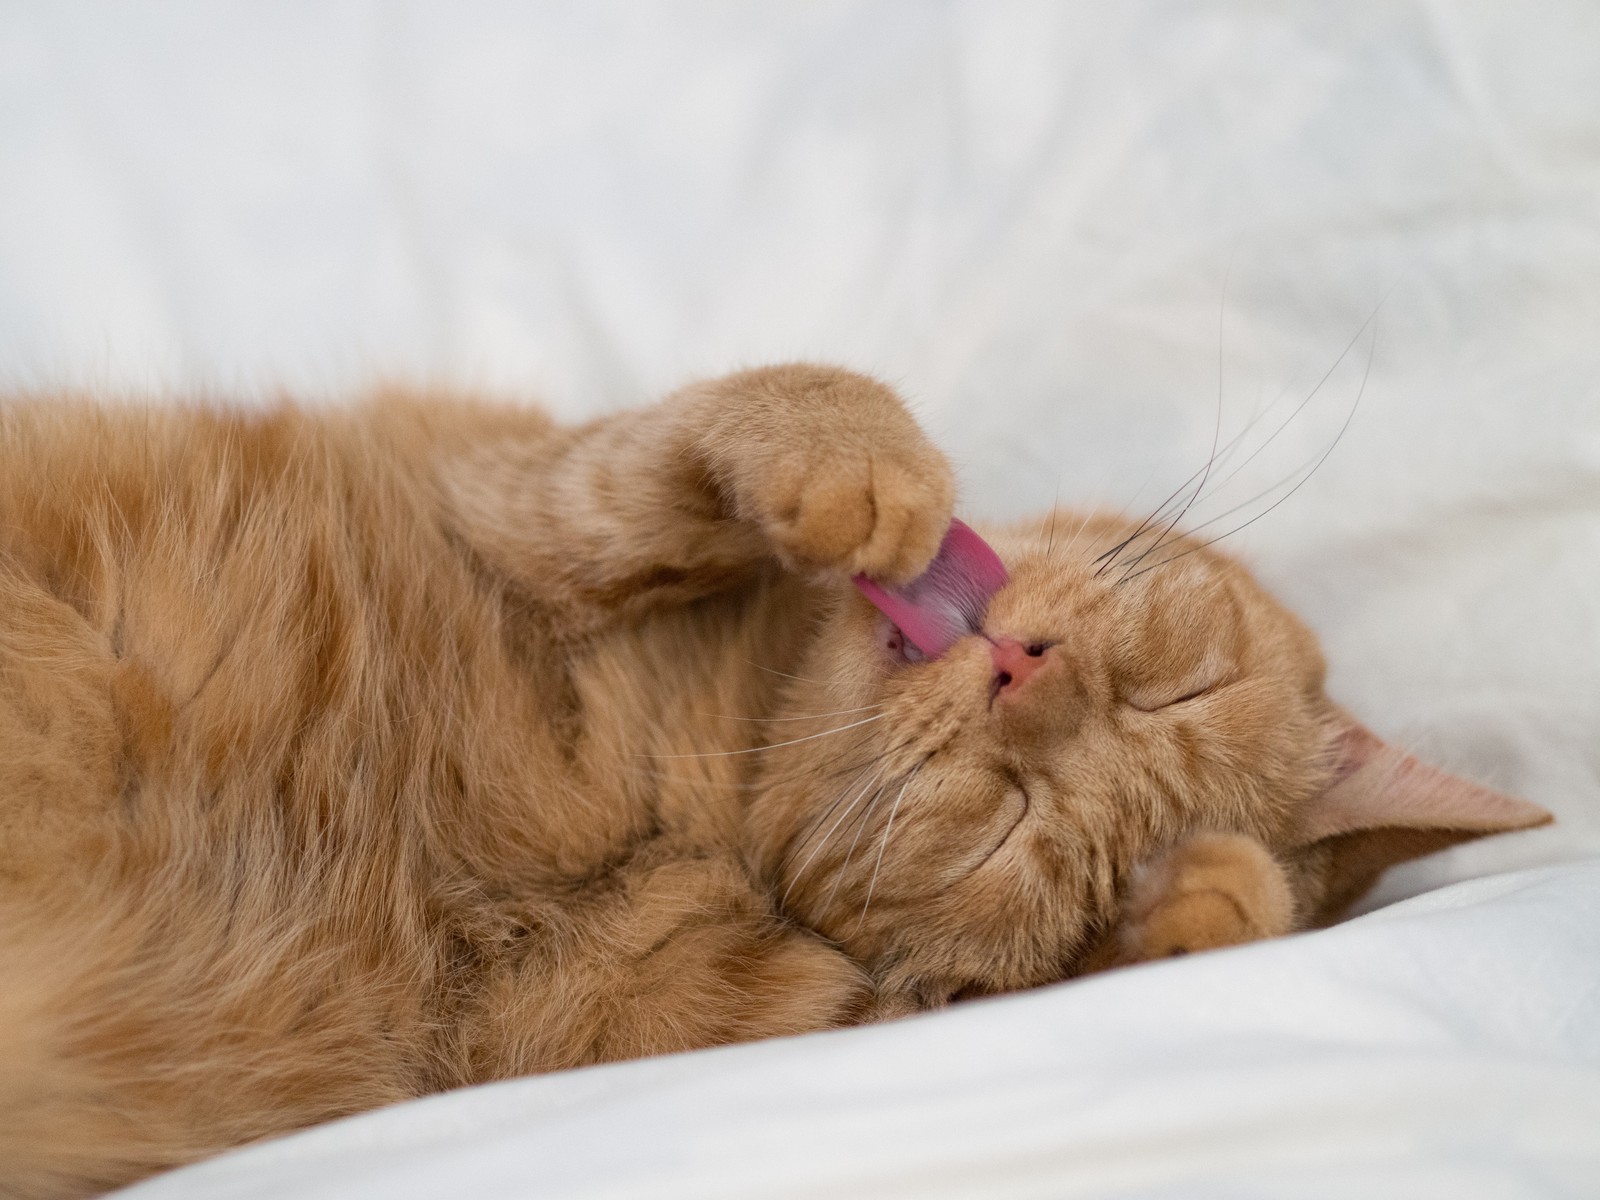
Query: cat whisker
{"x": 1366, "y": 373}
{"x": 774, "y": 671}
{"x": 1158, "y": 518}
{"x": 860, "y": 768}
{"x": 1309, "y": 464}
{"x": 1169, "y": 526}
{"x": 842, "y": 712}
{"x": 1326, "y": 375}
{"x": 883, "y": 845}
{"x": 828, "y": 837}
{"x": 1054, "y": 505}
{"x": 1105, "y": 560}
{"x": 819, "y": 773}
{"x": 861, "y": 827}
{"x": 801, "y": 842}
{"x": 1216, "y": 432}
{"x": 811, "y": 737}
{"x": 1237, "y": 440}
{"x": 1077, "y": 534}
{"x": 1160, "y": 514}
{"x": 1120, "y": 514}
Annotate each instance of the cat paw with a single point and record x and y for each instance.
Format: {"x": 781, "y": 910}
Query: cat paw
{"x": 1209, "y": 891}
{"x": 880, "y": 512}
{"x": 835, "y": 471}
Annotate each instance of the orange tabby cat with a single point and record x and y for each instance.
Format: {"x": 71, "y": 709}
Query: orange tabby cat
{"x": 349, "y": 756}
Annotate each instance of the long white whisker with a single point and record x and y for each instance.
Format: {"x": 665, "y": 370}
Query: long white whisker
{"x": 861, "y": 827}
{"x": 1077, "y": 533}
{"x": 842, "y": 712}
{"x": 884, "y": 845}
{"x": 811, "y": 737}
{"x": 827, "y": 837}
{"x": 822, "y": 773}
{"x": 804, "y": 840}
{"x": 785, "y": 674}
{"x": 860, "y": 769}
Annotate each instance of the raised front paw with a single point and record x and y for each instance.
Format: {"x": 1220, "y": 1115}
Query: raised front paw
{"x": 833, "y": 469}
{"x": 1209, "y": 891}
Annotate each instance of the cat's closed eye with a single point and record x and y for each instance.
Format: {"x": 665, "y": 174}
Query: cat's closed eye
{"x": 1148, "y": 699}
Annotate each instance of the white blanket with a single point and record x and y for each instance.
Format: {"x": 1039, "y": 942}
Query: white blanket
{"x": 1072, "y": 235}
{"x": 1448, "y": 1047}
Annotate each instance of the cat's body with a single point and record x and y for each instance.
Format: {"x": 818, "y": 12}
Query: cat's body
{"x": 350, "y": 756}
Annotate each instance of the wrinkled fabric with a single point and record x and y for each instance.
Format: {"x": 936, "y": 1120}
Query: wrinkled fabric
{"x": 1445, "y": 1047}
{"x": 1348, "y": 254}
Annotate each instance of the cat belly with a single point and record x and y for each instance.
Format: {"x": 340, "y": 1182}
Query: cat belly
{"x": 278, "y": 791}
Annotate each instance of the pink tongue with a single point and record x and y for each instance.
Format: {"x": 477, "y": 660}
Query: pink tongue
{"x": 947, "y": 601}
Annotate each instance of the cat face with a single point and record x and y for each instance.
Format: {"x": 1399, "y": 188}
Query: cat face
{"x": 972, "y": 829}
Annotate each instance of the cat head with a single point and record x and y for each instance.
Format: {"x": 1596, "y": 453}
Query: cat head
{"x": 972, "y": 827}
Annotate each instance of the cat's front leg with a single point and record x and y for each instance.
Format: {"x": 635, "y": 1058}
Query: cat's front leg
{"x": 812, "y": 467}
{"x": 830, "y": 466}
{"x": 1208, "y": 891}
{"x": 676, "y": 950}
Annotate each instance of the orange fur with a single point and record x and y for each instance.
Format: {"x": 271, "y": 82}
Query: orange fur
{"x": 350, "y": 756}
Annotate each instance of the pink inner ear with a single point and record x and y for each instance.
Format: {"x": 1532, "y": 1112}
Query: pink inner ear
{"x": 946, "y": 602}
{"x": 1378, "y": 786}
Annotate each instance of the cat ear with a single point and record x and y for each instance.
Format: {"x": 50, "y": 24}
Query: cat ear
{"x": 1384, "y": 806}
{"x": 1379, "y": 786}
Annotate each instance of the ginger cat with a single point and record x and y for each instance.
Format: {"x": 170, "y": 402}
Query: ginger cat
{"x": 349, "y": 756}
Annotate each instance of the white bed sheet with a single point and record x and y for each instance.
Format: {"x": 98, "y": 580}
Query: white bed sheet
{"x": 1047, "y": 224}
{"x": 1445, "y": 1048}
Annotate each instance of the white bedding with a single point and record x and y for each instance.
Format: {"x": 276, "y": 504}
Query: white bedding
{"x": 1447, "y": 1047}
{"x": 1046, "y": 224}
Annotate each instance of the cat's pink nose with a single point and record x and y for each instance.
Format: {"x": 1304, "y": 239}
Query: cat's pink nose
{"x": 1014, "y": 661}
